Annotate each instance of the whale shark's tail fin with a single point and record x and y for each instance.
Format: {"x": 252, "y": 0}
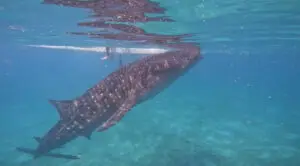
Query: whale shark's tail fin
{"x": 36, "y": 154}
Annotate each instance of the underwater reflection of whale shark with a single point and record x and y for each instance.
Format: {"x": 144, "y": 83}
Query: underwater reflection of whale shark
{"x": 103, "y": 105}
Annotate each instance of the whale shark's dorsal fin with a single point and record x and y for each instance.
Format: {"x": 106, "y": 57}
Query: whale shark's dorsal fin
{"x": 65, "y": 108}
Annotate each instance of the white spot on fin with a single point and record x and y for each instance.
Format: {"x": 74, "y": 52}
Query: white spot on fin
{"x": 65, "y": 108}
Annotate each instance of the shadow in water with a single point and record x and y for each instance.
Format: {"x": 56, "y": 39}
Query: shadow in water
{"x": 176, "y": 151}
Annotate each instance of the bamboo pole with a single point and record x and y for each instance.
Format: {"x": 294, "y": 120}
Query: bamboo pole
{"x": 119, "y": 50}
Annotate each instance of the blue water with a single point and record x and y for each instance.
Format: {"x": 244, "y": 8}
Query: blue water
{"x": 238, "y": 107}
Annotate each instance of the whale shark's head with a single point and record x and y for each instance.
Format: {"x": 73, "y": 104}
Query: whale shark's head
{"x": 174, "y": 61}
{"x": 159, "y": 71}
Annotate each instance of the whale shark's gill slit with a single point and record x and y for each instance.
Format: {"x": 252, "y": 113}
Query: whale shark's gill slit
{"x": 65, "y": 108}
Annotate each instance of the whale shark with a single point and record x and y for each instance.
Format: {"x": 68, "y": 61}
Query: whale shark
{"x": 105, "y": 104}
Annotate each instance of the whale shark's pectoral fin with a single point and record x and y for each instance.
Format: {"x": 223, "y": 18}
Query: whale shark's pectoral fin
{"x": 119, "y": 114}
{"x": 36, "y": 154}
{"x": 87, "y": 135}
{"x": 38, "y": 139}
{"x": 65, "y": 108}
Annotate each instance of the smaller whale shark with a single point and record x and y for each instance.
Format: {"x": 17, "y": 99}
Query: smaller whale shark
{"x": 104, "y": 104}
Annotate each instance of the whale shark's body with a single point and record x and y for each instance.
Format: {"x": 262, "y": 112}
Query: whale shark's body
{"x": 103, "y": 105}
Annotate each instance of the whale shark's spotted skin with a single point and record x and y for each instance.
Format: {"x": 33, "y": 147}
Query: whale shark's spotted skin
{"x": 103, "y": 105}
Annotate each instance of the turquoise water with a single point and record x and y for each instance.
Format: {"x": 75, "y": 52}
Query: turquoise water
{"x": 238, "y": 107}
